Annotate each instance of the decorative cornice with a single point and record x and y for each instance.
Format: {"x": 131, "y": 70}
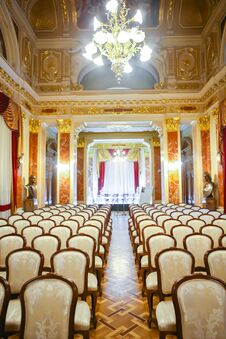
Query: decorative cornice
{"x": 204, "y": 123}
{"x": 64, "y": 125}
{"x": 81, "y": 142}
{"x": 34, "y": 126}
{"x": 172, "y": 125}
{"x": 156, "y": 142}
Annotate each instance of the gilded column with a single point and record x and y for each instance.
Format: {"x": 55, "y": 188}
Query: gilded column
{"x": 174, "y": 192}
{"x": 64, "y": 128}
{"x": 34, "y": 126}
{"x": 157, "y": 169}
{"x": 204, "y": 126}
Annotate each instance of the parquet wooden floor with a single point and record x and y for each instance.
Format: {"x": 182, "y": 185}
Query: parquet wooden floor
{"x": 122, "y": 312}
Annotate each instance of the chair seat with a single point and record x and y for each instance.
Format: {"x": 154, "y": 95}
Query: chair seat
{"x": 144, "y": 261}
{"x": 92, "y": 282}
{"x": 104, "y": 240}
{"x": 98, "y": 262}
{"x": 137, "y": 240}
{"x": 82, "y": 316}
{"x": 152, "y": 281}
{"x": 140, "y": 249}
{"x": 101, "y": 249}
{"x": 134, "y": 233}
{"x": 13, "y": 316}
{"x": 166, "y": 317}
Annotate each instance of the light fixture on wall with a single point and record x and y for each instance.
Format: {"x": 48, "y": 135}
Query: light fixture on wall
{"x": 119, "y": 39}
{"x": 119, "y": 155}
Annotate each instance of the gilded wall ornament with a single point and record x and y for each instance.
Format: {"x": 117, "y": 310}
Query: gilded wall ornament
{"x": 81, "y": 142}
{"x": 210, "y": 52}
{"x": 187, "y": 63}
{"x": 27, "y": 56}
{"x": 172, "y": 125}
{"x": 204, "y": 123}
{"x": 50, "y": 65}
{"x": 156, "y": 142}
{"x": 34, "y": 125}
{"x": 64, "y": 125}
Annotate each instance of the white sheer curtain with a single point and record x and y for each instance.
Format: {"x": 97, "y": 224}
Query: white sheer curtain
{"x": 119, "y": 177}
{"x": 5, "y": 166}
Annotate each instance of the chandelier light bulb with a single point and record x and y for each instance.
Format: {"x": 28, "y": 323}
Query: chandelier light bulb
{"x": 139, "y": 37}
{"x": 91, "y": 48}
{"x": 145, "y": 57}
{"x": 100, "y": 38}
{"x": 111, "y": 39}
{"x": 112, "y": 6}
{"x": 98, "y": 61}
{"x": 88, "y": 56}
{"x": 145, "y": 53}
{"x": 96, "y": 23}
{"x": 138, "y": 17}
{"x": 123, "y": 37}
{"x": 128, "y": 68}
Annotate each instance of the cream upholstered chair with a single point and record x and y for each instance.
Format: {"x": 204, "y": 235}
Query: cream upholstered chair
{"x": 46, "y": 209}
{"x": 155, "y": 244}
{"x": 216, "y": 214}
{"x": 222, "y": 240}
{"x": 196, "y": 224}
{"x": 30, "y": 232}
{"x": 34, "y": 219}
{"x": 171, "y": 264}
{"x": 46, "y": 214}
{"x": 176, "y": 214}
{"x": 4, "y": 301}
{"x": 7, "y": 229}
{"x": 22, "y": 265}
{"x": 73, "y": 264}
{"x": 220, "y": 222}
{"x": 66, "y": 214}
{"x": 73, "y": 224}
{"x": 87, "y": 244}
{"x": 9, "y": 243}
{"x": 79, "y": 218}
{"x": 13, "y": 218}
{"x": 155, "y": 215}
{"x": 207, "y": 218}
{"x": 26, "y": 215}
{"x": 215, "y": 232}
{"x": 57, "y": 219}
{"x": 179, "y": 232}
{"x": 46, "y": 224}
{"x": 3, "y": 222}
{"x": 20, "y": 224}
{"x": 63, "y": 233}
{"x": 38, "y": 211}
{"x": 48, "y": 308}
{"x": 198, "y": 244}
{"x": 195, "y": 214}
{"x": 55, "y": 211}
{"x": 161, "y": 218}
{"x": 215, "y": 262}
{"x": 84, "y": 214}
{"x": 47, "y": 244}
{"x": 168, "y": 224}
{"x": 185, "y": 218}
{"x": 200, "y": 307}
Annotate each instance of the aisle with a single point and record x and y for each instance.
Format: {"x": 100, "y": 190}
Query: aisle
{"x": 121, "y": 311}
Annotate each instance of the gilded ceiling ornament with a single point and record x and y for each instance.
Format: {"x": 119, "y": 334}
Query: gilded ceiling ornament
{"x": 27, "y": 55}
{"x": 34, "y": 125}
{"x": 187, "y": 63}
{"x": 170, "y": 13}
{"x": 210, "y": 52}
{"x": 215, "y": 113}
{"x": 64, "y": 125}
{"x": 156, "y": 142}
{"x": 51, "y": 65}
{"x": 172, "y": 125}
{"x": 204, "y": 123}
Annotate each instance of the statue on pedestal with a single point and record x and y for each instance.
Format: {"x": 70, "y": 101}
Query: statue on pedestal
{"x": 208, "y": 200}
{"x": 30, "y": 202}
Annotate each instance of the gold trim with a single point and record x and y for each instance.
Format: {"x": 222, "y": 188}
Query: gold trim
{"x": 204, "y": 123}
{"x": 81, "y": 142}
{"x": 64, "y": 125}
{"x": 156, "y": 142}
{"x": 172, "y": 125}
{"x": 215, "y": 113}
{"x": 34, "y": 126}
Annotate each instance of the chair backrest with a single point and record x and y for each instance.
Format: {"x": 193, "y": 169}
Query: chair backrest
{"x": 198, "y": 244}
{"x": 157, "y": 243}
{"x": 25, "y": 215}
{"x": 85, "y": 243}
{"x": 46, "y": 225}
{"x": 204, "y": 210}
{"x": 172, "y": 264}
{"x": 168, "y": 224}
{"x": 20, "y": 224}
{"x": 215, "y": 262}
{"x": 196, "y": 224}
{"x": 38, "y": 211}
{"x": 65, "y": 214}
{"x": 220, "y": 222}
{"x": 13, "y": 218}
{"x": 46, "y": 209}
{"x": 7, "y": 229}
{"x": 79, "y": 218}
{"x": 94, "y": 232}
{"x": 73, "y": 224}
{"x": 55, "y": 211}
{"x": 47, "y": 244}
{"x": 48, "y": 307}
{"x": 207, "y": 218}
{"x": 57, "y": 219}
{"x": 222, "y": 240}
{"x": 4, "y": 301}
{"x": 179, "y": 232}
{"x": 30, "y": 232}
{"x": 195, "y": 208}
{"x": 148, "y": 231}
{"x": 187, "y": 210}
{"x": 223, "y": 216}
{"x": 200, "y": 307}
{"x": 155, "y": 215}
{"x": 46, "y": 214}
{"x": 34, "y": 219}
{"x": 9, "y": 243}
{"x": 215, "y": 232}
{"x": 216, "y": 214}
{"x": 184, "y": 219}
{"x": 63, "y": 233}
{"x": 176, "y": 214}
{"x": 72, "y": 264}
{"x": 195, "y": 214}
{"x": 84, "y": 214}
{"x": 3, "y": 222}
{"x": 161, "y": 218}
{"x": 22, "y": 265}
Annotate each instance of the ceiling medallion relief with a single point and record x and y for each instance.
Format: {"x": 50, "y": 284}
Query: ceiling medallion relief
{"x": 51, "y": 63}
{"x": 187, "y": 63}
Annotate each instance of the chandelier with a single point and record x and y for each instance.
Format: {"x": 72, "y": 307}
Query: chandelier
{"x": 119, "y": 155}
{"x": 119, "y": 39}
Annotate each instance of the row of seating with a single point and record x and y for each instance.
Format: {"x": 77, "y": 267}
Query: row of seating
{"x": 158, "y": 254}
{"x": 78, "y": 261}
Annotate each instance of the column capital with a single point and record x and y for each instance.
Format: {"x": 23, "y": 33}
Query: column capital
{"x": 64, "y": 125}
{"x": 204, "y": 123}
{"x": 172, "y": 124}
{"x": 156, "y": 142}
{"x": 34, "y": 126}
{"x": 215, "y": 113}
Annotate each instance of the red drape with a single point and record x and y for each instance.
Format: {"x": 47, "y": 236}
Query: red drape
{"x": 224, "y": 166}
{"x": 14, "y": 167}
{"x": 101, "y": 175}
{"x": 136, "y": 174}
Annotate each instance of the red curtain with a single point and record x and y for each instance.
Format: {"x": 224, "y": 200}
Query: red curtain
{"x": 224, "y": 166}
{"x": 101, "y": 176}
{"x": 14, "y": 167}
{"x": 136, "y": 174}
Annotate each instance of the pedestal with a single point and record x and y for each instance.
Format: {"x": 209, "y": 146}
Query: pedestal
{"x": 29, "y": 205}
{"x": 210, "y": 203}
